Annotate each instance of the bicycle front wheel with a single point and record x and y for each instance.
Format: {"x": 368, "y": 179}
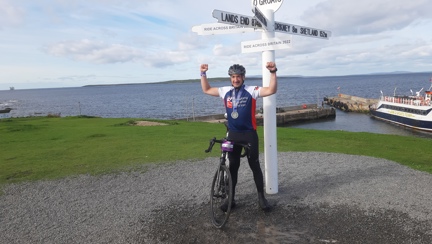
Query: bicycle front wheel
{"x": 221, "y": 192}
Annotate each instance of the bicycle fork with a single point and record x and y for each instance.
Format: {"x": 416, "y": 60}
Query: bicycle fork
{"x": 223, "y": 178}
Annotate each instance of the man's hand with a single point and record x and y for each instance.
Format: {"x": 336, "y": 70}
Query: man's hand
{"x": 271, "y": 66}
{"x": 272, "y": 88}
{"x": 207, "y": 89}
{"x": 204, "y": 67}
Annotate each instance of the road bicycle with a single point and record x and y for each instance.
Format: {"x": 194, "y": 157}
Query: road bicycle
{"x": 221, "y": 189}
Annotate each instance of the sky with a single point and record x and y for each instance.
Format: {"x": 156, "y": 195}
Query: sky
{"x": 63, "y": 43}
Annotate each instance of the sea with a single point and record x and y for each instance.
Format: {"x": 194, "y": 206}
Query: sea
{"x": 185, "y": 100}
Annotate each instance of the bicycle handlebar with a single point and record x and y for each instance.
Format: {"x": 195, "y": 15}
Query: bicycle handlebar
{"x": 214, "y": 140}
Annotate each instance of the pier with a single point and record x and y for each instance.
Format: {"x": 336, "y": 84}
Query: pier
{"x": 350, "y": 103}
{"x": 284, "y": 115}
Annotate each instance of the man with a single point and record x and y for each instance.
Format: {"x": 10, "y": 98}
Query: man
{"x": 240, "y": 103}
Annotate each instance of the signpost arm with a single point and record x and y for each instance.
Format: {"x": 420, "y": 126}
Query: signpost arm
{"x": 269, "y": 105}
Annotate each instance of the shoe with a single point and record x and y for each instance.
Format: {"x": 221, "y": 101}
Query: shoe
{"x": 262, "y": 202}
{"x": 224, "y": 206}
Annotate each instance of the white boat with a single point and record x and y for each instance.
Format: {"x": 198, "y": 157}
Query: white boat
{"x": 5, "y": 110}
{"x": 413, "y": 111}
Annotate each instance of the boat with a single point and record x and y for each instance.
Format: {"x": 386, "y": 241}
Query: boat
{"x": 413, "y": 111}
{"x": 5, "y": 110}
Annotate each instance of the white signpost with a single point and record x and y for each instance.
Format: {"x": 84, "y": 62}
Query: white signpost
{"x": 261, "y": 18}
{"x": 301, "y": 30}
{"x": 262, "y": 21}
{"x": 218, "y": 28}
{"x": 265, "y": 45}
{"x": 235, "y": 19}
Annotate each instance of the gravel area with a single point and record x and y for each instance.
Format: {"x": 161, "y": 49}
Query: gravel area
{"x": 322, "y": 198}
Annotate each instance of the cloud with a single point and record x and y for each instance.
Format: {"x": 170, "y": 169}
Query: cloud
{"x": 94, "y": 51}
{"x": 367, "y": 16}
{"x": 347, "y": 60}
{"x": 221, "y": 50}
{"x": 76, "y": 78}
{"x": 421, "y": 51}
{"x": 102, "y": 53}
{"x": 165, "y": 58}
{"x": 10, "y": 15}
{"x": 191, "y": 41}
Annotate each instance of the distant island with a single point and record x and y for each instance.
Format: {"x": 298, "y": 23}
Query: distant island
{"x": 174, "y": 81}
{"x": 255, "y": 77}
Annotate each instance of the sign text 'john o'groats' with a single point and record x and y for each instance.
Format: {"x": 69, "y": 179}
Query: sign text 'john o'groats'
{"x": 267, "y": 4}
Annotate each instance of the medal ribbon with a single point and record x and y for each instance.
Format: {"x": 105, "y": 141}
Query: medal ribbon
{"x": 234, "y": 99}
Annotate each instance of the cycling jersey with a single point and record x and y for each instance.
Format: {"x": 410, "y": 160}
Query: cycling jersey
{"x": 244, "y": 103}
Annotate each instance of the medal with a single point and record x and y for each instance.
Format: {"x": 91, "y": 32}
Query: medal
{"x": 234, "y": 115}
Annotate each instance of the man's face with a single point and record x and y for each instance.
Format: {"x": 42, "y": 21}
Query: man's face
{"x": 237, "y": 80}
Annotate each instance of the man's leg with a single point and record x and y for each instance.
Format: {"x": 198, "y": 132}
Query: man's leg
{"x": 253, "y": 160}
{"x": 234, "y": 165}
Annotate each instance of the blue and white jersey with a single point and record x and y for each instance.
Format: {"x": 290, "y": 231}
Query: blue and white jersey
{"x": 245, "y": 100}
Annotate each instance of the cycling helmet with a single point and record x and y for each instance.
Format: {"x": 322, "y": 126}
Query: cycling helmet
{"x": 236, "y": 69}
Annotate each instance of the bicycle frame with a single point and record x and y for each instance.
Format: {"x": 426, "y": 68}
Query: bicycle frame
{"x": 222, "y": 187}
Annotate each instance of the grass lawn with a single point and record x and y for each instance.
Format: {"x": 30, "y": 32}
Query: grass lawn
{"x": 38, "y": 148}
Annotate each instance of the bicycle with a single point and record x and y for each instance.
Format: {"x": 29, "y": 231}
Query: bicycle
{"x": 221, "y": 189}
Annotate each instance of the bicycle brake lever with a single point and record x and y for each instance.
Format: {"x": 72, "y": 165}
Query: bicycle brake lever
{"x": 212, "y": 142}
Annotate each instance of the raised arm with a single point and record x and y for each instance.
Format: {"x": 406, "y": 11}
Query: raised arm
{"x": 272, "y": 88}
{"x": 207, "y": 89}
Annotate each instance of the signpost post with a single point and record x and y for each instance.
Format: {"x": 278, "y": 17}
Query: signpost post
{"x": 269, "y": 117}
{"x": 263, "y": 20}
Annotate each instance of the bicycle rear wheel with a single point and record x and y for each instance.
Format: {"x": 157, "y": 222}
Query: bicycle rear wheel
{"x": 221, "y": 191}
